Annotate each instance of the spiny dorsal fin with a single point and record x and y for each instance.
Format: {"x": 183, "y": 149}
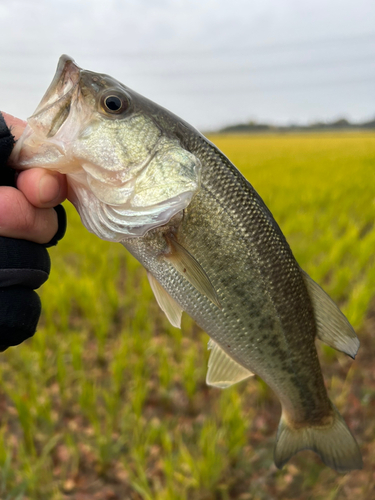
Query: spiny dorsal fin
{"x": 332, "y": 326}
{"x": 223, "y": 371}
{"x": 187, "y": 265}
{"x": 172, "y": 310}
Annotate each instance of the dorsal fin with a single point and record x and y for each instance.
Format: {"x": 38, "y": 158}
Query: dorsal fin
{"x": 332, "y": 326}
{"x": 223, "y": 371}
{"x": 190, "y": 268}
{"x": 172, "y": 310}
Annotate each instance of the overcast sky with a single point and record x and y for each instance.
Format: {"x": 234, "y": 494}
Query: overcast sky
{"x": 212, "y": 62}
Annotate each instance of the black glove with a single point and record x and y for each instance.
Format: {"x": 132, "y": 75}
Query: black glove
{"x": 24, "y": 266}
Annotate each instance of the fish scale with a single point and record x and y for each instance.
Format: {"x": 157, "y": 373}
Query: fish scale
{"x": 209, "y": 230}
{"x": 141, "y": 176}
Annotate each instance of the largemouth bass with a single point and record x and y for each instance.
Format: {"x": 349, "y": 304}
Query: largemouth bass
{"x": 141, "y": 176}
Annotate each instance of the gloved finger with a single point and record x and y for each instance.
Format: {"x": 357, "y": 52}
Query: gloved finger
{"x": 20, "y": 219}
{"x": 19, "y": 315}
{"x": 42, "y": 188}
{"x": 23, "y": 263}
{"x": 16, "y": 125}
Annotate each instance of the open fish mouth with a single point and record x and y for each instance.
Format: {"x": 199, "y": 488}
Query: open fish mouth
{"x": 44, "y": 135}
{"x": 55, "y": 105}
{"x": 66, "y": 78}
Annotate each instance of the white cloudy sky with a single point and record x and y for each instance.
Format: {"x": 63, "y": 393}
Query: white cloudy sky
{"x": 212, "y": 62}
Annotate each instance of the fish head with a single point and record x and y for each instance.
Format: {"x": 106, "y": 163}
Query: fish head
{"x": 127, "y": 170}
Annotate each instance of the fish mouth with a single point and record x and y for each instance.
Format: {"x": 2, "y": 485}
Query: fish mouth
{"x": 66, "y": 78}
{"x": 54, "y": 107}
{"x": 44, "y": 135}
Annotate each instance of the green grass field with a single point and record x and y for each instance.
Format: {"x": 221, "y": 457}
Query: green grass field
{"x": 108, "y": 401}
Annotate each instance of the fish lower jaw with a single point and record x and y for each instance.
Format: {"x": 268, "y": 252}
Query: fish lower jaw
{"x": 32, "y": 150}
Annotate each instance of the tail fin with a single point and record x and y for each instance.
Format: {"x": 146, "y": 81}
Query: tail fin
{"x": 334, "y": 444}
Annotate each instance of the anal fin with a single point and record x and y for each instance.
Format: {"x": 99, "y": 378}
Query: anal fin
{"x": 332, "y": 326}
{"x": 172, "y": 310}
{"x": 223, "y": 371}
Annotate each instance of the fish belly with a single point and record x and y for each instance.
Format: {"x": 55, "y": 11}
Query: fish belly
{"x": 265, "y": 322}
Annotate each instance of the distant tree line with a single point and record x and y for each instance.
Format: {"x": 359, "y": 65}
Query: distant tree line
{"x": 340, "y": 124}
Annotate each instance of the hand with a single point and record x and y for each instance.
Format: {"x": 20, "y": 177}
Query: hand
{"x": 28, "y": 224}
{"x": 26, "y": 212}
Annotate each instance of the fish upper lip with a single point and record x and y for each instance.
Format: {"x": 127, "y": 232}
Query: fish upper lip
{"x": 64, "y": 82}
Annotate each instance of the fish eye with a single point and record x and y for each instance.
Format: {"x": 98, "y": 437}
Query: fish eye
{"x": 114, "y": 103}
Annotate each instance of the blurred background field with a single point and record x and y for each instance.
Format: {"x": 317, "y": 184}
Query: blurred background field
{"x": 108, "y": 400}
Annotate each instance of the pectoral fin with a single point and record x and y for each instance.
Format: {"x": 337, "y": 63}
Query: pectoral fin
{"x": 190, "y": 268}
{"x": 332, "y": 326}
{"x": 223, "y": 371}
{"x": 172, "y": 310}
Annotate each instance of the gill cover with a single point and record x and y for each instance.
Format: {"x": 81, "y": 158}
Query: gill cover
{"x": 129, "y": 201}
{"x": 126, "y": 174}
